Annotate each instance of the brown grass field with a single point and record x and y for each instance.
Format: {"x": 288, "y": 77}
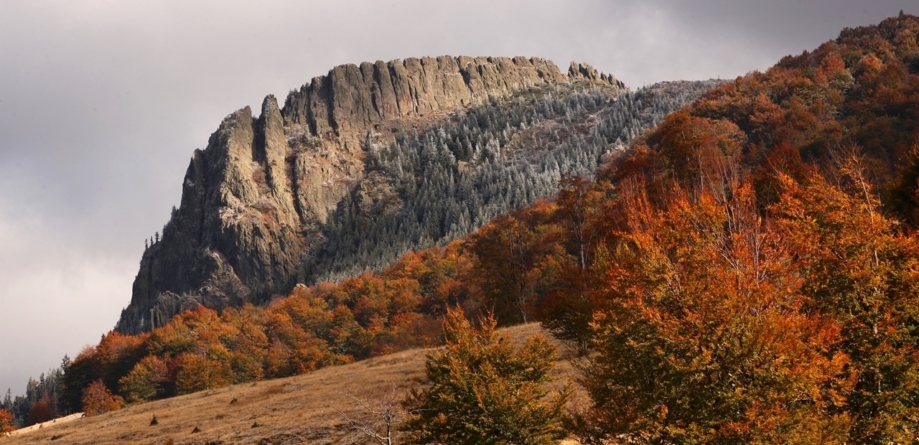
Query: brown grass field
{"x": 312, "y": 408}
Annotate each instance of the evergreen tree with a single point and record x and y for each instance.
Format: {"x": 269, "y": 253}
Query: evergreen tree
{"x": 483, "y": 390}
{"x": 482, "y": 163}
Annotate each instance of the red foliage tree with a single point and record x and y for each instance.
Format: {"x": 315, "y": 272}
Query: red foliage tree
{"x": 6, "y": 421}
{"x": 97, "y": 399}
{"x": 42, "y": 411}
{"x": 705, "y": 336}
{"x": 861, "y": 272}
{"x": 567, "y": 309}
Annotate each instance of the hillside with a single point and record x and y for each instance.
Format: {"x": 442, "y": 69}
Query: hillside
{"x": 254, "y": 201}
{"x": 856, "y": 94}
{"x": 368, "y": 162}
{"x": 300, "y": 409}
{"x": 747, "y": 272}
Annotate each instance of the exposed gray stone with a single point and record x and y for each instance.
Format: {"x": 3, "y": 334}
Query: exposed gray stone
{"x": 252, "y": 199}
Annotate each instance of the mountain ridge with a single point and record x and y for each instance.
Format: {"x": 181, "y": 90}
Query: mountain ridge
{"x": 256, "y": 204}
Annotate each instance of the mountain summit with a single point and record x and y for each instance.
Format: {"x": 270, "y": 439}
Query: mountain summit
{"x": 370, "y": 161}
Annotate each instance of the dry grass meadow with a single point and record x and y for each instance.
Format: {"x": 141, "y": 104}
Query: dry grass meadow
{"x": 312, "y": 408}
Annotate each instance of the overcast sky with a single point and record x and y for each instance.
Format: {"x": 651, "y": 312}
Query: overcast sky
{"x": 102, "y": 103}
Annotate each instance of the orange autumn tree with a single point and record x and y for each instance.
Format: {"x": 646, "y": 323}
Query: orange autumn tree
{"x": 510, "y": 262}
{"x": 97, "y": 399}
{"x": 704, "y": 336}
{"x": 42, "y": 411}
{"x": 323, "y": 325}
{"x": 146, "y": 381}
{"x": 582, "y": 216}
{"x": 6, "y": 421}
{"x": 862, "y": 272}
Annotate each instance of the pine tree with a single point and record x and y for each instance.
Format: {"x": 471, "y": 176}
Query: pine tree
{"x": 481, "y": 389}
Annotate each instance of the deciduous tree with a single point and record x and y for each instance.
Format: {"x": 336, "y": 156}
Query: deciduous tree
{"x": 862, "y": 273}
{"x": 6, "y": 421}
{"x": 42, "y": 411}
{"x": 97, "y": 399}
{"x": 146, "y": 381}
{"x": 704, "y": 336}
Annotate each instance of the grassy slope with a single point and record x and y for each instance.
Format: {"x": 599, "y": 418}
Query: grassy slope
{"x": 301, "y": 409}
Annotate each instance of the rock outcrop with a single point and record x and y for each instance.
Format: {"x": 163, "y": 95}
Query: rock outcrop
{"x": 354, "y": 98}
{"x": 254, "y": 199}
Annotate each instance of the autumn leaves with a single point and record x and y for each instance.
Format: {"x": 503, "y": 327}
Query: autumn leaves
{"x": 746, "y": 273}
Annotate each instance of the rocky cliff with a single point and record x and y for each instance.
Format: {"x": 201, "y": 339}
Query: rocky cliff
{"x": 255, "y": 200}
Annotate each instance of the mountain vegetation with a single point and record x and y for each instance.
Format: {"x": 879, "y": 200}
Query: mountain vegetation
{"x": 261, "y": 201}
{"x": 43, "y": 399}
{"x": 745, "y": 272}
{"x": 334, "y": 405}
{"x": 441, "y": 184}
{"x": 757, "y": 278}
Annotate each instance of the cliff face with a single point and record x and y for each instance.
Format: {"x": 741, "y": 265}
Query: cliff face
{"x": 254, "y": 201}
{"x": 353, "y": 98}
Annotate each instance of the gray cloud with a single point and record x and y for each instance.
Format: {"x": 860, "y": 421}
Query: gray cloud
{"x": 103, "y": 101}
